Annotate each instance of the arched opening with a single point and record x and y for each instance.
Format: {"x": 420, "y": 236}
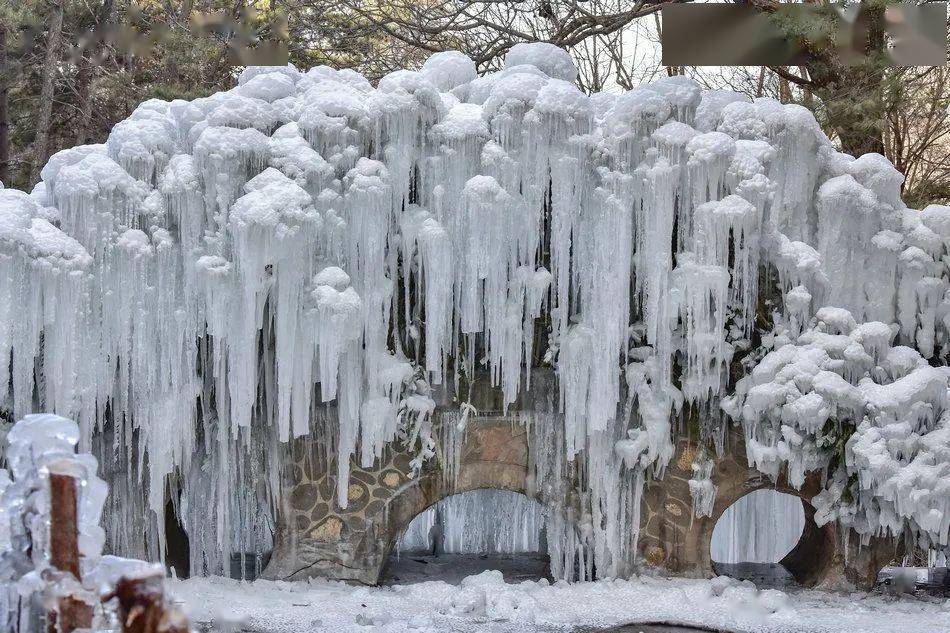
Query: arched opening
{"x": 755, "y": 536}
{"x": 468, "y": 533}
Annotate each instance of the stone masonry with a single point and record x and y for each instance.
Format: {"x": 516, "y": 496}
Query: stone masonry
{"x": 316, "y": 538}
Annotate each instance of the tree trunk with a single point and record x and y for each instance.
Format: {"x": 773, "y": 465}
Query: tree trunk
{"x": 784, "y": 90}
{"x": 84, "y": 98}
{"x": 4, "y": 110}
{"x": 854, "y": 95}
{"x": 87, "y": 65}
{"x": 41, "y": 141}
{"x": 808, "y": 99}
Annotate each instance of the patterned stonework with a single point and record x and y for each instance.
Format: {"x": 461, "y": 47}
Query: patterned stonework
{"x": 318, "y": 538}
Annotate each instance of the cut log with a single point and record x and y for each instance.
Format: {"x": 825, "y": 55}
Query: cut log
{"x": 142, "y": 607}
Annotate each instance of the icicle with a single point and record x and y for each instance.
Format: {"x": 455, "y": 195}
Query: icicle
{"x": 709, "y": 158}
{"x": 797, "y": 138}
{"x": 514, "y": 525}
{"x": 702, "y": 489}
{"x": 653, "y": 253}
{"x": 727, "y": 235}
{"x": 703, "y": 292}
{"x": 846, "y": 224}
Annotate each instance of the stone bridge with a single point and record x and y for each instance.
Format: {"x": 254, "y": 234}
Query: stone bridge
{"x": 316, "y": 538}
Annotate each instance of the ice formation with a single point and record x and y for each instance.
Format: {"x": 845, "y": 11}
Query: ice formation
{"x": 220, "y": 271}
{"x": 761, "y": 527}
{"x": 842, "y": 399}
{"x": 476, "y": 522}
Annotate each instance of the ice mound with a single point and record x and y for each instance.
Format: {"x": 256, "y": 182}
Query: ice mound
{"x": 553, "y": 61}
{"x": 486, "y": 597}
{"x": 448, "y": 70}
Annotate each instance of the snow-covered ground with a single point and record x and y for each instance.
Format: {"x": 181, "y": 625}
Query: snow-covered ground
{"x": 486, "y": 603}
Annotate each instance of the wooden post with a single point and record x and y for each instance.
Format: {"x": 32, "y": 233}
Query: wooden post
{"x": 142, "y": 606}
{"x": 72, "y": 613}
{"x": 141, "y": 598}
{"x": 64, "y": 524}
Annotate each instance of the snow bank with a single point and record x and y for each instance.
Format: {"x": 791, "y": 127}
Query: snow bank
{"x": 486, "y": 603}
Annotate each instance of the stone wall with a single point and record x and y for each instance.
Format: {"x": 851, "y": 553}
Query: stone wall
{"x": 316, "y": 538}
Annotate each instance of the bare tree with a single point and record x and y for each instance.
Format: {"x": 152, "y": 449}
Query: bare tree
{"x": 917, "y": 136}
{"x": 486, "y": 29}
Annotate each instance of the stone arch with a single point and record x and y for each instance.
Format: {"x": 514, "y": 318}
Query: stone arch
{"x": 318, "y": 538}
{"x": 494, "y": 455}
{"x": 811, "y": 559}
{"x": 673, "y": 539}
{"x": 315, "y": 537}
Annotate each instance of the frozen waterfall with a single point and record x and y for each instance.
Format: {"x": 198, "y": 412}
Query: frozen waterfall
{"x": 761, "y": 527}
{"x": 309, "y": 254}
{"x": 478, "y": 522}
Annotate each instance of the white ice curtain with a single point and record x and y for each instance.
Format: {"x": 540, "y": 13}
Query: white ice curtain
{"x": 761, "y": 527}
